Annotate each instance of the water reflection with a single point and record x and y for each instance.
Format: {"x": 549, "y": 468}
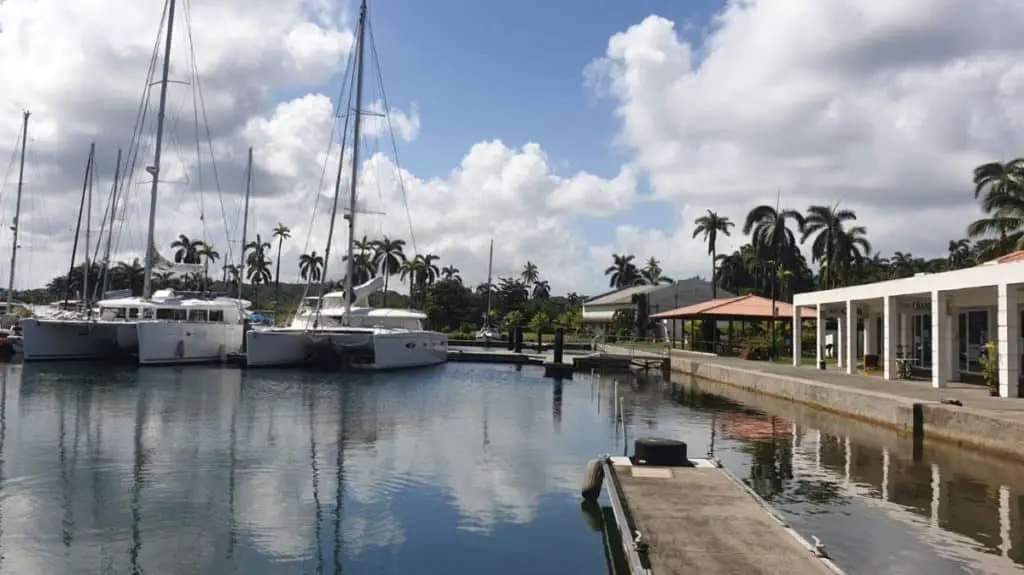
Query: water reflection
{"x": 217, "y": 470}
{"x": 836, "y": 478}
{"x": 447, "y": 470}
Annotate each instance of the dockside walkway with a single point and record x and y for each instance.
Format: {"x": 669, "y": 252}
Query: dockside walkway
{"x": 995, "y": 424}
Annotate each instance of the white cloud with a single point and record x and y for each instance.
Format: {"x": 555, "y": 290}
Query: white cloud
{"x": 82, "y": 76}
{"x": 883, "y": 106}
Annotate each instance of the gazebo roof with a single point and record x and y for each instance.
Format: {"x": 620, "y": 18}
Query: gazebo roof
{"x": 745, "y": 306}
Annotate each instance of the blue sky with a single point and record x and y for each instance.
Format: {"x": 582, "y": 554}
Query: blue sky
{"x": 514, "y": 71}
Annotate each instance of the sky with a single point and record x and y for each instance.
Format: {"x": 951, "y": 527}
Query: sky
{"x": 566, "y": 133}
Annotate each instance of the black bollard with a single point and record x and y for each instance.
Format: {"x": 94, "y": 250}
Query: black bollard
{"x": 559, "y": 343}
{"x": 518, "y": 339}
{"x": 511, "y": 335}
{"x": 540, "y": 340}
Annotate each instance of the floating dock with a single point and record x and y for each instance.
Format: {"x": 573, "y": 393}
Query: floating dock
{"x": 497, "y": 356}
{"x": 701, "y": 519}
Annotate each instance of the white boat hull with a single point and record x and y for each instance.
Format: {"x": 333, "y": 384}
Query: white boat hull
{"x": 277, "y": 347}
{"x": 171, "y": 343}
{"x": 56, "y": 339}
{"x": 383, "y": 348}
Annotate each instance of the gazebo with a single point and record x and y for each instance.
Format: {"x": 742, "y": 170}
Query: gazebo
{"x": 747, "y": 313}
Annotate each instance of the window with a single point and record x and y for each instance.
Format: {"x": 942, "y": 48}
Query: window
{"x": 217, "y": 315}
{"x": 170, "y": 314}
{"x": 198, "y": 315}
{"x": 147, "y": 313}
{"x": 133, "y": 313}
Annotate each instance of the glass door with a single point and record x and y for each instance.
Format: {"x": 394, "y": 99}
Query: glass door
{"x": 922, "y": 335}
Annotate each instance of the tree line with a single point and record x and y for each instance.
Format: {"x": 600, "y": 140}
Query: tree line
{"x": 838, "y": 245}
{"x": 437, "y": 289}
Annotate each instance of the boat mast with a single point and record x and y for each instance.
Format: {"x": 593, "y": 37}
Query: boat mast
{"x": 490, "y": 285}
{"x": 86, "y": 292}
{"x": 350, "y": 271}
{"x": 245, "y": 221}
{"x": 154, "y": 170}
{"x": 110, "y": 224}
{"x": 17, "y": 210}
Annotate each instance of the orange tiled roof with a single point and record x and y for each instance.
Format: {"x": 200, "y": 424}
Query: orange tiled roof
{"x": 752, "y": 306}
{"x": 1011, "y": 257}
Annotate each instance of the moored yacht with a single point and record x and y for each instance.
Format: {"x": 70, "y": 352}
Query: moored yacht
{"x": 340, "y": 328}
{"x": 361, "y": 337}
{"x": 167, "y": 328}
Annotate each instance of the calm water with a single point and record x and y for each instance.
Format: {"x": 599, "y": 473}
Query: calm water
{"x": 450, "y": 470}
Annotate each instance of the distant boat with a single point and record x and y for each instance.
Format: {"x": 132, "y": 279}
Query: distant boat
{"x": 489, "y": 332}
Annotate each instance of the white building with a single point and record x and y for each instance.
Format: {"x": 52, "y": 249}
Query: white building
{"x": 600, "y": 310}
{"x": 938, "y": 321}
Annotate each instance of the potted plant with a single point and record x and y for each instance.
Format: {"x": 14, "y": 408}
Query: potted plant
{"x": 989, "y": 361}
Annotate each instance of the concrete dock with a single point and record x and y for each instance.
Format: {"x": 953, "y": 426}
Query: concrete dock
{"x": 994, "y": 425}
{"x": 702, "y": 519}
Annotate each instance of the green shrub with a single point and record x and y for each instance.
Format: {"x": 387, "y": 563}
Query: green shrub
{"x": 989, "y": 361}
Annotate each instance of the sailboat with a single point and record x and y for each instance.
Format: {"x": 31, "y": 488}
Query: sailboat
{"x": 341, "y": 326}
{"x": 159, "y": 328}
{"x": 489, "y": 332}
{"x": 10, "y": 340}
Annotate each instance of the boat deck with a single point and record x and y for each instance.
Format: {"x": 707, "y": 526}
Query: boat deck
{"x": 702, "y": 520}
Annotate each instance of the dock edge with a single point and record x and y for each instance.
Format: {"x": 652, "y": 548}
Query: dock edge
{"x": 628, "y": 532}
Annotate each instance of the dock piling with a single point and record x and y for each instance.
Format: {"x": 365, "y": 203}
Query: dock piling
{"x": 559, "y": 343}
{"x": 518, "y": 339}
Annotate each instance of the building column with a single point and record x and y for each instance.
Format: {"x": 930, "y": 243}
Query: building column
{"x": 870, "y": 335}
{"x": 905, "y": 334}
{"x": 942, "y": 340}
{"x": 888, "y": 352}
{"x": 797, "y": 337}
{"x": 819, "y": 340}
{"x": 838, "y": 347}
{"x": 1008, "y": 345}
{"x": 851, "y": 336}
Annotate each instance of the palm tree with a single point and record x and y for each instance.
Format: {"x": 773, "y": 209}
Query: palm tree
{"x": 710, "y": 225}
{"x": 834, "y": 247}
{"x": 652, "y": 273}
{"x": 311, "y": 266}
{"x": 281, "y": 233}
{"x": 428, "y": 273}
{"x": 208, "y": 254}
{"x": 959, "y": 254}
{"x": 541, "y": 290}
{"x": 232, "y": 277}
{"x": 132, "y": 274}
{"x": 623, "y": 272}
{"x": 999, "y": 178}
{"x": 257, "y": 264}
{"x": 258, "y": 274}
{"x": 773, "y": 240}
{"x": 451, "y": 273}
{"x": 186, "y": 249}
{"x": 530, "y": 273}
{"x": 388, "y": 256}
{"x": 410, "y": 271}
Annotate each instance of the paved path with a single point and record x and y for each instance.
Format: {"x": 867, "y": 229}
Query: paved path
{"x": 973, "y": 396}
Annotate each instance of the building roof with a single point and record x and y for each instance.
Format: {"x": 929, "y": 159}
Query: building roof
{"x": 625, "y": 296}
{"x": 752, "y": 306}
{"x": 1011, "y": 257}
{"x": 1009, "y": 272}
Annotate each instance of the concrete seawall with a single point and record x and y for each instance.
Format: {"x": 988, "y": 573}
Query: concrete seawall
{"x": 912, "y": 408}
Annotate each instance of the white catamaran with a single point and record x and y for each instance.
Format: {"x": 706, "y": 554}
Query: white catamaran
{"x": 341, "y": 328}
{"x": 160, "y": 327}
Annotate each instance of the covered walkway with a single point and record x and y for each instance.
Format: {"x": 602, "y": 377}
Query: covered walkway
{"x": 939, "y": 321}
